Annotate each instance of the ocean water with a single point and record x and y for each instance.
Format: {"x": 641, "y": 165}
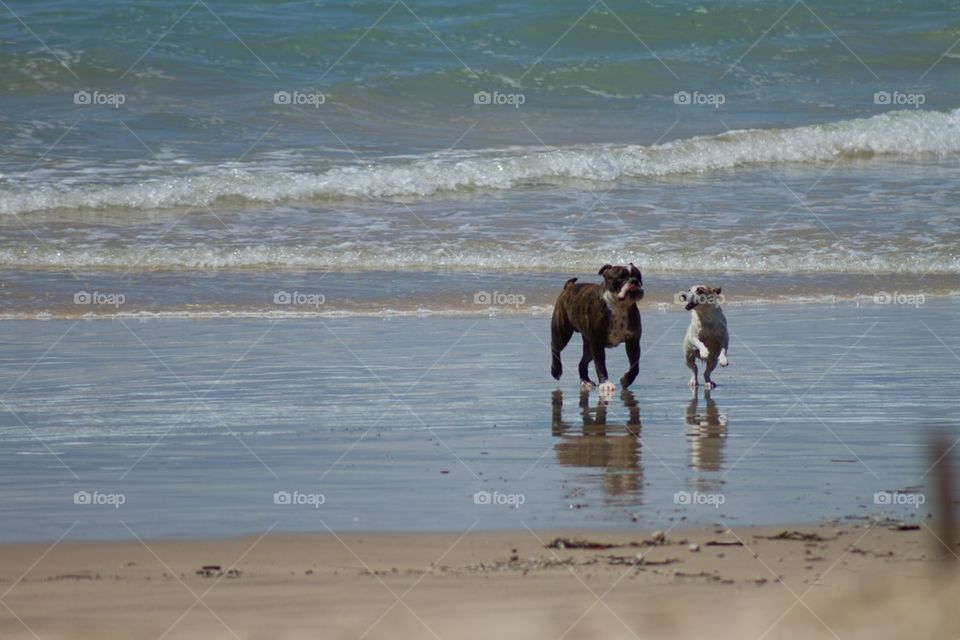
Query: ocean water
{"x": 203, "y": 171}
{"x": 378, "y": 146}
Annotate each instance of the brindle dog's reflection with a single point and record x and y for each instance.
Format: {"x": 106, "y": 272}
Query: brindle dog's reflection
{"x": 612, "y": 447}
{"x": 708, "y": 434}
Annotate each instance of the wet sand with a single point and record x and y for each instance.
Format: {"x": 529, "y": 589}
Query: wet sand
{"x": 399, "y": 423}
{"x": 848, "y": 579}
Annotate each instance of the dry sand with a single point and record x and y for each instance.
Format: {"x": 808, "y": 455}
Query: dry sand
{"x": 851, "y": 579}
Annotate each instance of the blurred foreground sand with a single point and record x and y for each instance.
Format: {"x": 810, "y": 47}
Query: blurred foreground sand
{"x": 861, "y": 579}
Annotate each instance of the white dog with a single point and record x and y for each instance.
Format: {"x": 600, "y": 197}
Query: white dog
{"x": 706, "y": 336}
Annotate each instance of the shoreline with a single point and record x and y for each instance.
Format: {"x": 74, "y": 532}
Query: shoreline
{"x": 682, "y": 524}
{"x": 654, "y": 305}
{"x": 735, "y": 582}
{"x": 295, "y": 294}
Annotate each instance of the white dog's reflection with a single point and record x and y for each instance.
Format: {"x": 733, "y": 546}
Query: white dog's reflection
{"x": 707, "y": 433}
{"x": 610, "y": 445}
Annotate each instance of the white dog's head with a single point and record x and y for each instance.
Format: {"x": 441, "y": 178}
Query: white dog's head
{"x": 700, "y": 294}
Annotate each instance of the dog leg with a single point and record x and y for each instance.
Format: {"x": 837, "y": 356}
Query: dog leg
{"x": 710, "y": 366}
{"x": 633, "y": 357}
{"x": 691, "y": 360}
{"x": 560, "y": 333}
{"x": 598, "y": 349}
{"x": 701, "y": 349}
{"x": 585, "y": 382}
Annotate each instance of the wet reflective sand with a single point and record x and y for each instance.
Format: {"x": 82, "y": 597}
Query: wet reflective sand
{"x": 439, "y": 423}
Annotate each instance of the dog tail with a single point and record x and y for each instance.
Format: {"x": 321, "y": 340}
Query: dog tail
{"x": 569, "y": 282}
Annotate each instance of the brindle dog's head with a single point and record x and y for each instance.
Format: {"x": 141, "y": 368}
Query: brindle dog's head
{"x": 624, "y": 283}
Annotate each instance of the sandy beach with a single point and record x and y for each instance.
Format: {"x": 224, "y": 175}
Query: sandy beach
{"x": 848, "y": 579}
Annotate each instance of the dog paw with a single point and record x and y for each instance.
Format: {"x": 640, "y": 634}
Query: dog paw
{"x": 723, "y": 361}
{"x": 693, "y": 383}
{"x": 586, "y": 385}
{"x": 607, "y": 388}
{"x": 704, "y": 354}
{"x": 709, "y": 385}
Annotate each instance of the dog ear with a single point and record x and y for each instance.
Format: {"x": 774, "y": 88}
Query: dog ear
{"x": 715, "y": 291}
{"x": 634, "y": 271}
{"x": 604, "y": 268}
{"x": 682, "y": 296}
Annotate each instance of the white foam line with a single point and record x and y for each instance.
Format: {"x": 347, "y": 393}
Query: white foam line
{"x": 466, "y": 311}
{"x": 903, "y": 133}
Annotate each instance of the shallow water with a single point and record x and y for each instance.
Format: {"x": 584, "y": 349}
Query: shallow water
{"x": 399, "y": 422}
{"x": 862, "y": 228}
